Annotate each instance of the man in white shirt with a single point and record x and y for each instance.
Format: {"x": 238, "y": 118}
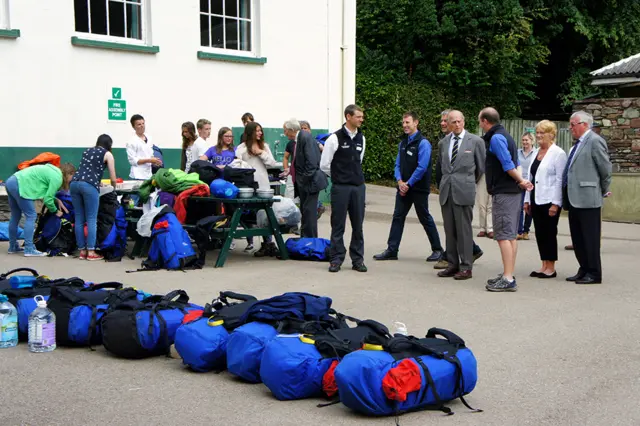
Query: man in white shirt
{"x": 342, "y": 161}
{"x": 140, "y": 151}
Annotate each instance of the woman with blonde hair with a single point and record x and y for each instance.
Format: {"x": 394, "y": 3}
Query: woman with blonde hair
{"x": 544, "y": 202}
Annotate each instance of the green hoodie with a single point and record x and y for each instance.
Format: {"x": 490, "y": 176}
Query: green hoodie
{"x": 40, "y": 182}
{"x": 169, "y": 180}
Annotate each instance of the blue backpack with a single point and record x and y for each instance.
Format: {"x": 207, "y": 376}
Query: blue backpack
{"x": 157, "y": 153}
{"x": 290, "y": 312}
{"x": 316, "y": 249}
{"x": 55, "y": 235}
{"x": 79, "y": 311}
{"x": 407, "y": 374}
{"x": 170, "y": 245}
{"x": 137, "y": 329}
{"x": 202, "y": 343}
{"x": 111, "y": 228}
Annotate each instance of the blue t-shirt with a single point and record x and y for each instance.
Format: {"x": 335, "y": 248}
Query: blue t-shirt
{"x": 222, "y": 159}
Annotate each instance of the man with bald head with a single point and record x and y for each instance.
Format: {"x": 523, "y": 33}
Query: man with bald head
{"x": 462, "y": 160}
{"x": 505, "y": 184}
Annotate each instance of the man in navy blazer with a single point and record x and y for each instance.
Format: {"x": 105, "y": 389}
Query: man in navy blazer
{"x": 585, "y": 183}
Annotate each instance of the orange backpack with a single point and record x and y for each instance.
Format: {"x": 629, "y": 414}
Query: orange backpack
{"x": 43, "y": 158}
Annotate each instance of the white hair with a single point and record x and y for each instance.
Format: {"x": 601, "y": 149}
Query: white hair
{"x": 584, "y": 117}
{"x": 292, "y": 124}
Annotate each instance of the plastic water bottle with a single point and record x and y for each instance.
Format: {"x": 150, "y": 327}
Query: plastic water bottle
{"x": 42, "y": 328}
{"x": 400, "y": 328}
{"x": 8, "y": 323}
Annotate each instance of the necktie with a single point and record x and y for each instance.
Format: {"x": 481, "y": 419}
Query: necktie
{"x": 565, "y": 174}
{"x": 454, "y": 151}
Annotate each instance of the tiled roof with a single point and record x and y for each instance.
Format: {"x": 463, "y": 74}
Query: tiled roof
{"x": 627, "y": 67}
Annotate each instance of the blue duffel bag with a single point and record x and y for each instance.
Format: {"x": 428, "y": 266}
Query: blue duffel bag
{"x": 80, "y": 311}
{"x": 407, "y": 374}
{"x": 301, "y": 366}
{"x": 287, "y": 313}
{"x": 202, "y": 343}
{"x": 137, "y": 329}
{"x": 315, "y": 249}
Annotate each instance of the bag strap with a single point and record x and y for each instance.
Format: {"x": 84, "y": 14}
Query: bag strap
{"x": 450, "y": 336}
{"x": 226, "y": 295}
{"x": 379, "y": 328}
{"x": 175, "y": 296}
{"x": 111, "y": 284}
{"x": 13, "y": 271}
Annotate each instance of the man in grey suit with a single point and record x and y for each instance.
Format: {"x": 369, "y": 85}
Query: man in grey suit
{"x": 307, "y": 177}
{"x": 585, "y": 182}
{"x": 462, "y": 159}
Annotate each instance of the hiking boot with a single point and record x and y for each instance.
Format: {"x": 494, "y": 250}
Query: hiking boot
{"x": 435, "y": 256}
{"x": 386, "y": 255}
{"x": 519, "y": 237}
{"x": 360, "y": 267}
{"x": 441, "y": 264}
{"x": 503, "y": 285}
{"x": 272, "y": 249}
{"x": 262, "y": 252}
{"x": 334, "y": 267}
{"x": 525, "y": 236}
{"x": 477, "y": 256}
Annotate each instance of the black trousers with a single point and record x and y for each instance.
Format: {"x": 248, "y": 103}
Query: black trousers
{"x": 347, "y": 199}
{"x": 546, "y": 231}
{"x": 420, "y": 200}
{"x": 586, "y": 229}
{"x": 309, "y": 210}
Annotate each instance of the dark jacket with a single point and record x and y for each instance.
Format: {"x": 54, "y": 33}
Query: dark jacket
{"x": 409, "y": 159}
{"x": 499, "y": 181}
{"x": 346, "y": 166}
{"x": 309, "y": 177}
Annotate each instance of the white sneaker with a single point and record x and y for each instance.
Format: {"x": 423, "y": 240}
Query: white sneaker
{"x": 249, "y": 248}
{"x": 233, "y": 245}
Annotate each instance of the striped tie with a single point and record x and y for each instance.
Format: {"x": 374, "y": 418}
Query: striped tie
{"x": 454, "y": 151}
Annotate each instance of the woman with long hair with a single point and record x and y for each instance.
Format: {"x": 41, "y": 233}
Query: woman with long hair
{"x": 189, "y": 137}
{"x": 85, "y": 193}
{"x": 223, "y": 153}
{"x": 258, "y": 154}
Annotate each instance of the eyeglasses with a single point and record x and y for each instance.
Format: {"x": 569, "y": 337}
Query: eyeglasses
{"x": 228, "y": 136}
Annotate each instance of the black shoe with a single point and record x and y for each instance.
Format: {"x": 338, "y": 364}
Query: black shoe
{"x": 477, "y": 255}
{"x": 435, "y": 256}
{"x": 544, "y": 276}
{"x": 386, "y": 255}
{"x": 536, "y": 274}
{"x": 588, "y": 279}
{"x": 334, "y": 267}
{"x": 359, "y": 267}
{"x": 580, "y": 275}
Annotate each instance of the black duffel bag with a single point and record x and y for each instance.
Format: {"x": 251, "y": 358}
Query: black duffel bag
{"x": 207, "y": 171}
{"x": 242, "y": 178}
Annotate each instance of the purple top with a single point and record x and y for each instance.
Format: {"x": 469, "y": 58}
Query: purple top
{"x": 222, "y": 159}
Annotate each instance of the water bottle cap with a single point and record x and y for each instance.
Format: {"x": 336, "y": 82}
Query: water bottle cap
{"x": 40, "y": 301}
{"x": 3, "y": 298}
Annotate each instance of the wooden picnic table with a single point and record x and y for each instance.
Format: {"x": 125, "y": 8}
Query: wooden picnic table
{"x": 232, "y": 231}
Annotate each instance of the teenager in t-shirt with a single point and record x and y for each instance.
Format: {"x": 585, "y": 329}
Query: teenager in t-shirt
{"x": 223, "y": 152}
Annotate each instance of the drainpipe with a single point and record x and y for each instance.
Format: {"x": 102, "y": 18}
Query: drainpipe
{"x": 348, "y": 53}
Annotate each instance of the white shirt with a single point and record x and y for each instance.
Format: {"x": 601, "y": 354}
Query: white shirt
{"x": 195, "y": 151}
{"x": 259, "y": 164}
{"x": 453, "y": 135}
{"x": 138, "y": 150}
{"x": 330, "y": 148}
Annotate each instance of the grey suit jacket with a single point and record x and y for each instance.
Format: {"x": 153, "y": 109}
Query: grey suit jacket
{"x": 309, "y": 177}
{"x": 459, "y": 180}
{"x": 589, "y": 174}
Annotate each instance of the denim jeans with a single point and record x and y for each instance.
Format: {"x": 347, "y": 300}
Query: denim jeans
{"x": 524, "y": 225}
{"x": 86, "y": 200}
{"x": 20, "y": 206}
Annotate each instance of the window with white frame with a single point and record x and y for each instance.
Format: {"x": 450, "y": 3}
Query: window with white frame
{"x": 226, "y": 24}
{"x": 111, "y": 18}
{"x": 4, "y": 15}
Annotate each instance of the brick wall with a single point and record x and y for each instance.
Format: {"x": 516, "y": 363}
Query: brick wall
{"x": 619, "y": 121}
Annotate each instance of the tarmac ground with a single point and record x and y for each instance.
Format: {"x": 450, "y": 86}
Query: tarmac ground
{"x": 553, "y": 353}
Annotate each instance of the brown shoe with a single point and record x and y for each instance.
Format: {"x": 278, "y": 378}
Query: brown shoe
{"x": 441, "y": 264}
{"x": 463, "y": 275}
{"x": 481, "y": 234}
{"x": 569, "y": 247}
{"x": 449, "y": 272}
{"x": 490, "y": 235}
{"x": 519, "y": 237}
{"x": 525, "y": 236}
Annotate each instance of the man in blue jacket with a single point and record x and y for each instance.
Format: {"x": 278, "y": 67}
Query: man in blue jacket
{"x": 413, "y": 174}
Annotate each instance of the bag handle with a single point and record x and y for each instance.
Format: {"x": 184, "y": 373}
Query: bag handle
{"x": 111, "y": 284}
{"x": 450, "y": 336}
{"x": 176, "y": 296}
{"x": 379, "y": 328}
{"x": 13, "y": 271}
{"x": 225, "y": 295}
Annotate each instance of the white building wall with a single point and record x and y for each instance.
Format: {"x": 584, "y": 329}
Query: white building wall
{"x": 54, "y": 94}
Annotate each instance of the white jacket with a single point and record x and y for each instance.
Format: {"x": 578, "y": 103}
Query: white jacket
{"x": 548, "y": 181}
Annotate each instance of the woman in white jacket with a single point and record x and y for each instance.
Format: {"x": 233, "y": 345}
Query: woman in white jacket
{"x": 544, "y": 202}
{"x": 257, "y": 153}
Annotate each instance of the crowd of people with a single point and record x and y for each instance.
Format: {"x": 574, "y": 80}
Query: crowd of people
{"x": 512, "y": 187}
